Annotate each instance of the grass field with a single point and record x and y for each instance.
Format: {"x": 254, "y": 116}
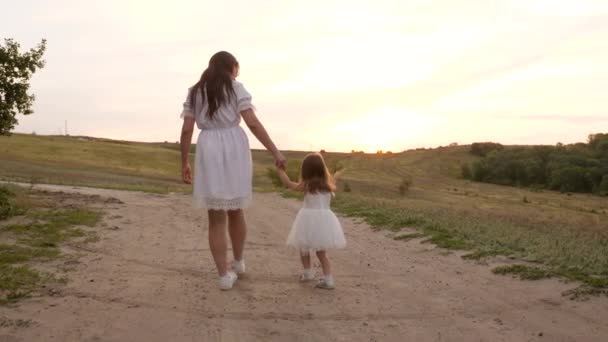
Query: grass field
{"x": 562, "y": 234}
{"x": 33, "y": 226}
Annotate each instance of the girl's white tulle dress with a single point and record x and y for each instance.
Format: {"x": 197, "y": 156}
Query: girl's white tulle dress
{"x": 223, "y": 167}
{"x": 316, "y": 227}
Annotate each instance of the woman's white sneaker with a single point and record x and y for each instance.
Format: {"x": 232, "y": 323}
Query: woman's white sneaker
{"x": 227, "y": 281}
{"x": 238, "y": 266}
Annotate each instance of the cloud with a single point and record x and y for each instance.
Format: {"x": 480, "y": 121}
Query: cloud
{"x": 577, "y": 119}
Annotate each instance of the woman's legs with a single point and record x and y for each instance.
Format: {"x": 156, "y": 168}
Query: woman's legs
{"x": 217, "y": 240}
{"x": 237, "y": 228}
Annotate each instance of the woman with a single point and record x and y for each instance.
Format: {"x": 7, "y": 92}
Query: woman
{"x": 223, "y": 166}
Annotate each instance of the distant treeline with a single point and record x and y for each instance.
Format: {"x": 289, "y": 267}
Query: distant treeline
{"x": 581, "y": 167}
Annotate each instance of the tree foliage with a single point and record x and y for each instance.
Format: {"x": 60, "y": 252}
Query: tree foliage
{"x": 483, "y": 148}
{"x": 568, "y": 168}
{"x": 16, "y": 69}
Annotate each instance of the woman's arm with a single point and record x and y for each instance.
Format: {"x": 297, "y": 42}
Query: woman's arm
{"x": 286, "y": 181}
{"x": 185, "y": 141}
{"x": 256, "y": 127}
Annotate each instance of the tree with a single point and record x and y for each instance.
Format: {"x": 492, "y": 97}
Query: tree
{"x": 16, "y": 69}
{"x": 604, "y": 186}
{"x": 483, "y": 148}
{"x": 570, "y": 179}
{"x": 599, "y": 142}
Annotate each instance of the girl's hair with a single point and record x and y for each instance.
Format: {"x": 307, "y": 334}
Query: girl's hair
{"x": 216, "y": 82}
{"x": 315, "y": 176}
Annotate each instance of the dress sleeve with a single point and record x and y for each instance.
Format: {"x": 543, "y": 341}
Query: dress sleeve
{"x": 188, "y": 111}
{"x": 243, "y": 99}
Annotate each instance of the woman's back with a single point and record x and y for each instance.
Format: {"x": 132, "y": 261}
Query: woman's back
{"x": 227, "y": 115}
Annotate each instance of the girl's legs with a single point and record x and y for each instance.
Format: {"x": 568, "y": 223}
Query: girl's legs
{"x": 237, "y": 228}
{"x": 217, "y": 240}
{"x": 305, "y": 258}
{"x": 308, "y": 273}
{"x": 324, "y": 263}
{"x": 327, "y": 281}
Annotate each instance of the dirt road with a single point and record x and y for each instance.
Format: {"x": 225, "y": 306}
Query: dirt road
{"x": 151, "y": 278}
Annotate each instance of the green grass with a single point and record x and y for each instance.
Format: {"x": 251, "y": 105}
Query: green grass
{"x": 91, "y": 162}
{"x": 51, "y": 227}
{"x": 17, "y": 282}
{"x": 407, "y": 237}
{"x": 559, "y": 248}
{"x": 566, "y": 234}
{"x": 42, "y": 226}
{"x": 592, "y": 285}
{"x": 478, "y": 255}
{"x": 11, "y": 254}
{"x": 523, "y": 272}
{"x": 11, "y": 202}
{"x": 19, "y": 323}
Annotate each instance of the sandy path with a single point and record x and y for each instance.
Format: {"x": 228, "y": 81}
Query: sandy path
{"x": 151, "y": 278}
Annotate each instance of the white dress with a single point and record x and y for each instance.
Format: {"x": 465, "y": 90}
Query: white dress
{"x": 316, "y": 227}
{"x": 223, "y": 166}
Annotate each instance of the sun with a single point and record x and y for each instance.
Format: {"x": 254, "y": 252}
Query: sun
{"x": 383, "y": 128}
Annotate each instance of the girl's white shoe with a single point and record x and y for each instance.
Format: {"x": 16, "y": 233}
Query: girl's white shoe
{"x": 307, "y": 275}
{"x": 238, "y": 266}
{"x": 227, "y": 281}
{"x": 326, "y": 282}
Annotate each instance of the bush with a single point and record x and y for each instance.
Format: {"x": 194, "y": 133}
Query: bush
{"x": 465, "y": 171}
{"x": 6, "y": 207}
{"x": 404, "y": 186}
{"x": 479, "y": 171}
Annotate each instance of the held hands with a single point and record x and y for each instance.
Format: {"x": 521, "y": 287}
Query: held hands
{"x": 279, "y": 160}
{"x": 186, "y": 174}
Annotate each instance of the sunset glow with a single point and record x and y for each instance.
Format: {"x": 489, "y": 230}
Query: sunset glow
{"x": 334, "y": 75}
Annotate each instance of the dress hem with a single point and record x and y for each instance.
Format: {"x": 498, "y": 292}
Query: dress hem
{"x": 221, "y": 204}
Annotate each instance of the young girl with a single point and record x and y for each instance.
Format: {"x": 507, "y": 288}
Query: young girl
{"x": 315, "y": 227}
{"x": 222, "y": 170}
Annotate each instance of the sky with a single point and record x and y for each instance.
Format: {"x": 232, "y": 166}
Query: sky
{"x": 333, "y": 75}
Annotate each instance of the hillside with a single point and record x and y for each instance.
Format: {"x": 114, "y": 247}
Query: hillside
{"x": 567, "y": 233}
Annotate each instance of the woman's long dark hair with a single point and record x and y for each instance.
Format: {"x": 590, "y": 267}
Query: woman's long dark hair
{"x": 216, "y": 82}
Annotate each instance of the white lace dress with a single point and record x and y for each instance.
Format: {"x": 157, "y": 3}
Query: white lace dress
{"x": 316, "y": 227}
{"x": 222, "y": 167}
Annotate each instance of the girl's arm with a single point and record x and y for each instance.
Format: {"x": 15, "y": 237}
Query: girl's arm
{"x": 286, "y": 181}
{"x": 185, "y": 141}
{"x": 338, "y": 174}
{"x": 256, "y": 127}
